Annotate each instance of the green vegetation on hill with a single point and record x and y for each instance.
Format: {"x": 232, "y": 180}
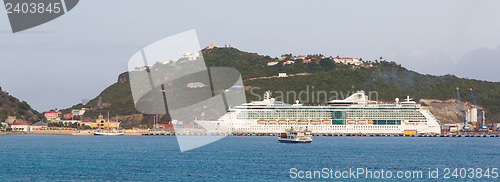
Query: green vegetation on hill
{"x": 388, "y": 79}
{"x": 11, "y": 106}
{"x": 116, "y": 99}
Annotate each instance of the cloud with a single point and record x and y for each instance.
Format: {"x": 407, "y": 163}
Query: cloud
{"x": 482, "y": 64}
{"x": 418, "y": 58}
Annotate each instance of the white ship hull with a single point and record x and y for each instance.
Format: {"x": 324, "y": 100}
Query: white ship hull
{"x": 225, "y": 127}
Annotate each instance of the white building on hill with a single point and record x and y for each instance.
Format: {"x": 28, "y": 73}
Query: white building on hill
{"x": 191, "y": 56}
{"x": 346, "y": 60}
{"x": 272, "y": 63}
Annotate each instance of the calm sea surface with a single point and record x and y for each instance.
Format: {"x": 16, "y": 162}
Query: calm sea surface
{"x": 157, "y": 158}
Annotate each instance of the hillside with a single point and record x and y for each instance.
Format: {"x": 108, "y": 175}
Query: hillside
{"x": 325, "y": 80}
{"x": 13, "y": 107}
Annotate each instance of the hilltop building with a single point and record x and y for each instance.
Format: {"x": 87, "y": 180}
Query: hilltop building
{"x": 65, "y": 121}
{"x": 272, "y": 63}
{"x": 191, "y": 56}
{"x": 306, "y": 59}
{"x": 77, "y": 112}
{"x": 347, "y": 60}
{"x": 211, "y": 46}
{"x": 195, "y": 85}
{"x": 300, "y": 57}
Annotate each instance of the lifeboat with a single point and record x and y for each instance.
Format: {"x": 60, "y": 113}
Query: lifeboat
{"x": 315, "y": 121}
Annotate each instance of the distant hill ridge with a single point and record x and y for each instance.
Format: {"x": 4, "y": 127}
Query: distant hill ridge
{"x": 389, "y": 79}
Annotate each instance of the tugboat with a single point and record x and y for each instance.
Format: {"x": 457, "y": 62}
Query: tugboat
{"x": 295, "y": 136}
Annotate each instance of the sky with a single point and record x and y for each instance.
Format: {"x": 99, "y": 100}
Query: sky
{"x": 76, "y": 56}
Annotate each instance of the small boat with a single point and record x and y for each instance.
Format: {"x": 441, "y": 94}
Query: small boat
{"x": 108, "y": 133}
{"x": 295, "y": 136}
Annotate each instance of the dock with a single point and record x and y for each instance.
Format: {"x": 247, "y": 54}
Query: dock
{"x": 485, "y": 135}
{"x": 158, "y": 133}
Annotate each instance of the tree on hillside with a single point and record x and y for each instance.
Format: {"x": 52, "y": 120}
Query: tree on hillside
{"x": 327, "y": 64}
{"x": 4, "y": 114}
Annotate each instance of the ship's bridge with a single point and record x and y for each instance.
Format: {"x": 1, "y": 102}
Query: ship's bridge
{"x": 357, "y": 98}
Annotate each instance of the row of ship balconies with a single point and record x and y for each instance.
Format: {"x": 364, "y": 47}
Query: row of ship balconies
{"x": 313, "y": 122}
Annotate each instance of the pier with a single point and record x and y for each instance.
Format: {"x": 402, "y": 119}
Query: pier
{"x": 485, "y": 135}
{"x": 159, "y": 133}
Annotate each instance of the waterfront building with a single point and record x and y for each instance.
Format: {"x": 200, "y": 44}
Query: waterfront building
{"x": 20, "y": 127}
{"x": 38, "y": 125}
{"x": 102, "y": 124}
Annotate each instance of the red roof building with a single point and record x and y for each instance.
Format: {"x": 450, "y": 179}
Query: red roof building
{"x": 52, "y": 115}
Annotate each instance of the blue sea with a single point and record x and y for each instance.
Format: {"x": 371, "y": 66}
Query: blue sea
{"x": 236, "y": 158}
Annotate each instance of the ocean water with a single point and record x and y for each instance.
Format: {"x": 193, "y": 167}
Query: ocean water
{"x": 157, "y": 158}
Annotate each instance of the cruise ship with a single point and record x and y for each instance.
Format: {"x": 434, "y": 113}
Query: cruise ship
{"x": 355, "y": 114}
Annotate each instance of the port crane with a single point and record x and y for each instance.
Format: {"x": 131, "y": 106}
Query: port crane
{"x": 473, "y": 98}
